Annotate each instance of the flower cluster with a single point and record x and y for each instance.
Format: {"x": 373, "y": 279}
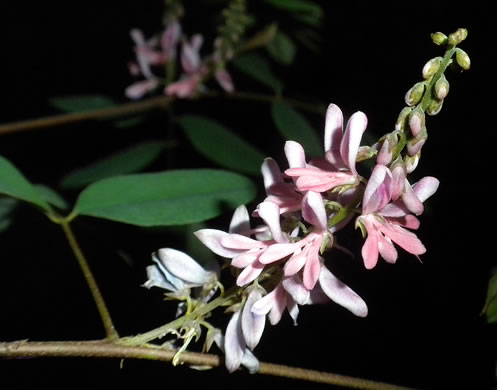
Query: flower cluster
{"x": 161, "y": 52}
{"x": 279, "y": 264}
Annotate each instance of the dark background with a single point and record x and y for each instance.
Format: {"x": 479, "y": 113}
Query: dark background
{"x": 424, "y": 328}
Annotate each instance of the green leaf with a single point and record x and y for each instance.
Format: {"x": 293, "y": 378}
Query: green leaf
{"x": 13, "y": 183}
{"x": 490, "y": 308}
{"x": 7, "y": 205}
{"x": 293, "y": 126}
{"x": 282, "y": 48}
{"x": 165, "y": 198}
{"x": 221, "y": 145}
{"x": 126, "y": 161}
{"x": 299, "y": 7}
{"x": 258, "y": 68}
{"x": 81, "y": 103}
{"x": 51, "y": 196}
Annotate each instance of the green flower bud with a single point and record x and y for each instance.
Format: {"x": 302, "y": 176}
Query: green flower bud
{"x": 401, "y": 120}
{"x": 457, "y": 37}
{"x": 441, "y": 88}
{"x": 439, "y": 38}
{"x": 434, "y": 107}
{"x": 431, "y": 67}
{"x": 415, "y": 144}
{"x": 462, "y": 59}
{"x": 414, "y": 95}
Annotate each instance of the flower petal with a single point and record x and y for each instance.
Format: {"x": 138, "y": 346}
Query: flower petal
{"x": 238, "y": 241}
{"x": 352, "y": 139}
{"x": 278, "y": 251}
{"x": 412, "y": 202}
{"x": 252, "y": 324}
{"x": 340, "y": 293}
{"x": 386, "y": 249}
{"x": 312, "y": 266}
{"x": 426, "y": 187}
{"x": 240, "y": 222}
{"x": 333, "y": 128}
{"x": 211, "y": 238}
{"x": 377, "y": 193}
{"x": 224, "y": 79}
{"x": 270, "y": 213}
{"x": 249, "y": 274}
{"x": 313, "y": 210}
{"x": 234, "y": 344}
{"x": 369, "y": 249}
{"x": 271, "y": 173}
{"x": 295, "y": 154}
{"x": 294, "y": 286}
{"x": 140, "y": 88}
{"x": 184, "y": 267}
{"x": 405, "y": 239}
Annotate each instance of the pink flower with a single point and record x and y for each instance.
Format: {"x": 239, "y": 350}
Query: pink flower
{"x": 341, "y": 149}
{"x": 385, "y": 221}
{"x": 278, "y": 191}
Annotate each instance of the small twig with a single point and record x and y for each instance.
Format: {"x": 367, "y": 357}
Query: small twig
{"x": 106, "y": 349}
{"x": 90, "y": 280}
{"x": 105, "y": 113}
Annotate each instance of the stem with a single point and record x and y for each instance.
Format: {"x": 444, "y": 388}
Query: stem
{"x": 145, "y": 105}
{"x": 106, "y": 349}
{"x": 90, "y": 280}
{"x": 105, "y": 113}
{"x": 198, "y": 312}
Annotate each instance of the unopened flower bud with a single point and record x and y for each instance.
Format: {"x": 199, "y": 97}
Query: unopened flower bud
{"x": 385, "y": 153}
{"x": 462, "y": 59}
{"x": 434, "y": 107}
{"x": 416, "y": 121}
{"x": 415, "y": 144}
{"x": 431, "y": 67}
{"x": 441, "y": 88}
{"x": 411, "y": 162}
{"x": 414, "y": 95}
{"x": 365, "y": 152}
{"x": 457, "y": 37}
{"x": 401, "y": 120}
{"x": 398, "y": 170}
{"x": 439, "y": 38}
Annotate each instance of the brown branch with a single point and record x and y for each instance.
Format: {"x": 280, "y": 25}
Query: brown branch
{"x": 104, "y": 113}
{"x": 106, "y": 349}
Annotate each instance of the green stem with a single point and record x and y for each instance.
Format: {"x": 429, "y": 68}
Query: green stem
{"x": 198, "y": 312}
{"x": 428, "y": 96}
{"x": 90, "y": 280}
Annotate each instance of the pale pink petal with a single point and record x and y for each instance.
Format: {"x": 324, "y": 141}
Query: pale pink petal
{"x": 278, "y": 251}
{"x": 184, "y": 88}
{"x": 271, "y": 174}
{"x": 270, "y": 213}
{"x": 377, "y": 192}
{"x": 224, "y": 79}
{"x": 252, "y": 324}
{"x": 341, "y": 294}
{"x": 405, "y": 239}
{"x": 293, "y": 310}
{"x": 426, "y": 187}
{"x": 279, "y": 305}
{"x": 234, "y": 344}
{"x": 190, "y": 58}
{"x": 245, "y": 259}
{"x": 398, "y": 180}
{"x": 183, "y": 266}
{"x": 170, "y": 38}
{"x": 333, "y": 128}
{"x": 140, "y": 88}
{"x": 412, "y": 202}
{"x": 294, "y": 286}
{"x": 238, "y": 241}
{"x": 352, "y": 139}
{"x": 386, "y": 249}
{"x": 312, "y": 266}
{"x": 370, "y": 247}
{"x": 295, "y": 154}
{"x": 264, "y": 305}
{"x": 250, "y": 273}
{"x": 385, "y": 154}
{"x": 211, "y": 238}
{"x": 295, "y": 263}
{"x": 240, "y": 222}
{"x": 313, "y": 210}
{"x": 137, "y": 36}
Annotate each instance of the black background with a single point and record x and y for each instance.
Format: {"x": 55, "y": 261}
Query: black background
{"x": 424, "y": 328}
